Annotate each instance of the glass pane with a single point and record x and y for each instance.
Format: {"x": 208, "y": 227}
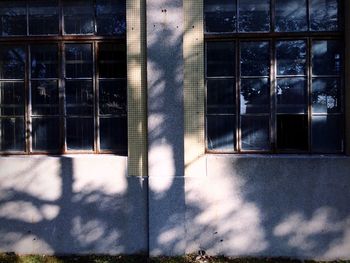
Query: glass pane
{"x": 111, "y": 17}
{"x": 220, "y": 59}
{"x": 11, "y": 98}
{"x": 11, "y": 134}
{"x": 13, "y": 18}
{"x": 112, "y": 61}
{"x": 12, "y": 61}
{"x": 78, "y": 60}
{"x": 221, "y": 132}
{"x": 113, "y": 134}
{"x": 327, "y": 57}
{"x": 80, "y": 134}
{"x": 326, "y": 95}
{"x": 255, "y": 95}
{"x": 221, "y": 96}
{"x": 292, "y": 132}
{"x": 255, "y": 133}
{"x": 112, "y": 97}
{"x": 327, "y": 134}
{"x": 44, "y": 61}
{"x": 292, "y": 95}
{"x": 45, "y": 97}
{"x": 324, "y": 15}
{"x": 43, "y": 17}
{"x": 220, "y": 16}
{"x": 291, "y": 57}
{"x": 79, "y": 97}
{"x": 78, "y": 16}
{"x": 254, "y": 15}
{"x": 255, "y": 58}
{"x": 46, "y": 134}
{"x": 291, "y": 15}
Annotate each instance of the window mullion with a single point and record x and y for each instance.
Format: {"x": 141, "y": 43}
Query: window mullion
{"x": 238, "y": 94}
{"x": 62, "y": 96}
{"x": 309, "y": 91}
{"x": 96, "y": 98}
{"x": 28, "y": 102}
{"x": 273, "y": 99}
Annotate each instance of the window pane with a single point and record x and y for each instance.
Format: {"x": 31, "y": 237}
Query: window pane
{"x": 254, "y": 15}
{"x": 112, "y": 61}
{"x": 221, "y": 96}
{"x": 255, "y": 95}
{"x": 79, "y": 97}
{"x": 112, "y": 97}
{"x": 291, "y": 15}
{"x": 327, "y": 57}
{"x": 220, "y": 59}
{"x": 292, "y": 132}
{"x": 45, "y": 97}
{"x": 255, "y": 133}
{"x": 291, "y": 57}
{"x": 78, "y": 60}
{"x": 13, "y": 18}
{"x": 221, "y": 132}
{"x": 327, "y": 134}
{"x": 292, "y": 95}
{"x": 11, "y": 134}
{"x": 80, "y": 134}
{"x": 324, "y": 15}
{"x": 43, "y": 17}
{"x": 220, "y": 16}
{"x": 255, "y": 58}
{"x": 12, "y": 61}
{"x": 326, "y": 95}
{"x": 113, "y": 134}
{"x": 46, "y": 134}
{"x": 111, "y": 17}
{"x": 78, "y": 16}
{"x": 44, "y": 61}
{"x": 11, "y": 98}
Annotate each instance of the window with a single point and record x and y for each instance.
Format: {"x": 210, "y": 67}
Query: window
{"x": 274, "y": 76}
{"x": 63, "y": 76}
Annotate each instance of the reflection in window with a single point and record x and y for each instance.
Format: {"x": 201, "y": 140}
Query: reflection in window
{"x": 292, "y": 95}
{"x": 78, "y": 16}
{"x": 220, "y": 16}
{"x": 43, "y": 17}
{"x": 291, "y": 57}
{"x": 324, "y": 15}
{"x": 220, "y": 59}
{"x": 220, "y": 132}
{"x": 255, "y": 133}
{"x": 291, "y": 15}
{"x": 110, "y": 17}
{"x": 255, "y": 58}
{"x": 254, "y": 15}
{"x": 13, "y": 15}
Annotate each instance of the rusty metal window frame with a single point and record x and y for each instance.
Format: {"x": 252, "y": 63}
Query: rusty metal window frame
{"x": 272, "y": 37}
{"x": 61, "y": 39}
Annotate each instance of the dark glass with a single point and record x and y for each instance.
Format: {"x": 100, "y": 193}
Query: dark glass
{"x": 112, "y": 97}
{"x": 324, "y": 15}
{"x": 44, "y": 61}
{"x": 78, "y": 60}
{"x": 292, "y": 132}
{"x": 45, "y": 99}
{"x": 254, "y": 15}
{"x": 220, "y": 59}
{"x": 255, "y": 133}
{"x": 221, "y": 132}
{"x": 43, "y": 17}
{"x": 327, "y": 134}
{"x": 13, "y": 18}
{"x": 291, "y": 57}
{"x": 80, "y": 133}
{"x": 255, "y": 95}
{"x": 11, "y": 134}
{"x": 327, "y": 57}
{"x": 79, "y": 97}
{"x": 292, "y": 95}
{"x": 291, "y": 15}
{"x": 221, "y": 96}
{"x": 326, "y": 95}
{"x": 111, "y": 17}
{"x": 11, "y": 98}
{"x": 12, "y": 59}
{"x": 113, "y": 134}
{"x": 112, "y": 61}
{"x": 220, "y": 16}
{"x": 255, "y": 58}
{"x": 46, "y": 134}
{"x": 78, "y": 16}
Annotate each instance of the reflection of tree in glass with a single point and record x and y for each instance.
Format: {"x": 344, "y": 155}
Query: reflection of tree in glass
{"x": 255, "y": 59}
{"x": 324, "y": 15}
{"x": 291, "y": 57}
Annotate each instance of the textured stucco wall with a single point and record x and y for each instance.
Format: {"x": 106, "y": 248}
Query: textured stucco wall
{"x": 71, "y": 204}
